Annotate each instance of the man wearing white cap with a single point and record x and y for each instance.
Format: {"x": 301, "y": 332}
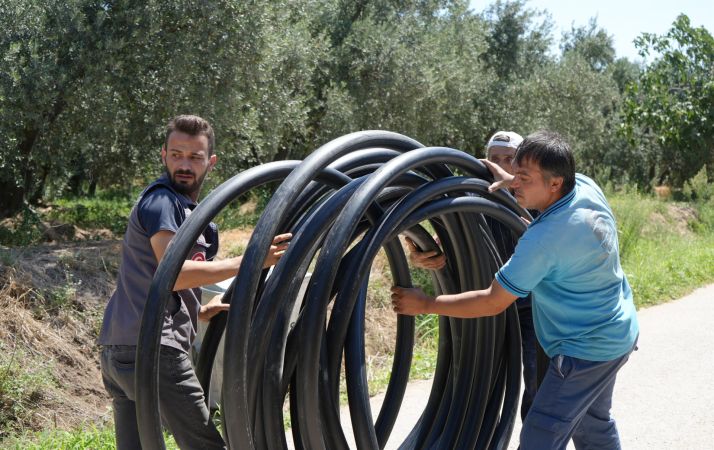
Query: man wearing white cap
{"x": 500, "y": 150}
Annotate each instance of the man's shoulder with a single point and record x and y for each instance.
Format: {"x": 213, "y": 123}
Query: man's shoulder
{"x": 158, "y": 196}
{"x": 588, "y": 188}
{"x": 536, "y": 237}
{"x": 158, "y": 208}
{"x": 159, "y": 188}
{"x": 558, "y": 231}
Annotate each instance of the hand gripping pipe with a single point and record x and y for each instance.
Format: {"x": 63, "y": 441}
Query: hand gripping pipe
{"x": 343, "y": 203}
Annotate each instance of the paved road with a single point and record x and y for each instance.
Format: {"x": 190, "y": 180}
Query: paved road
{"x": 664, "y": 396}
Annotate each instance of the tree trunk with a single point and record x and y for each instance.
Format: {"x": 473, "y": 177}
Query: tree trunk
{"x": 37, "y": 191}
{"x": 13, "y": 195}
{"x": 12, "y": 198}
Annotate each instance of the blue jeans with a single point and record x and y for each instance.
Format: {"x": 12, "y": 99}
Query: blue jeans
{"x": 574, "y": 401}
{"x": 181, "y": 400}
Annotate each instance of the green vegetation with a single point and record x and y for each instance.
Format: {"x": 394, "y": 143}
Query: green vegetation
{"x": 245, "y": 211}
{"x": 669, "y": 111}
{"x": 82, "y": 438}
{"x": 93, "y": 213}
{"x": 26, "y": 230}
{"x": 24, "y": 380}
{"x": 89, "y": 86}
{"x": 667, "y": 248}
{"x": 667, "y": 270}
{"x": 63, "y": 217}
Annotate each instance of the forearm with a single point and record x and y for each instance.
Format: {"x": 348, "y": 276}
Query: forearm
{"x": 468, "y": 304}
{"x": 199, "y": 273}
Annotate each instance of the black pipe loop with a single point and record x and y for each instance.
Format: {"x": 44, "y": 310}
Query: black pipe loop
{"x": 286, "y": 338}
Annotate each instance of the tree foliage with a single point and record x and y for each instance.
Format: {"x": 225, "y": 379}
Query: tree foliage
{"x": 86, "y": 86}
{"x": 671, "y": 107}
{"x": 592, "y": 43}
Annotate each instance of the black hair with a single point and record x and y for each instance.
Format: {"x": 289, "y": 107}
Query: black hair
{"x": 193, "y": 126}
{"x": 552, "y": 154}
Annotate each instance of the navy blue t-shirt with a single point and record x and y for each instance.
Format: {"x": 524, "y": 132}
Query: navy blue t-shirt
{"x": 159, "y": 208}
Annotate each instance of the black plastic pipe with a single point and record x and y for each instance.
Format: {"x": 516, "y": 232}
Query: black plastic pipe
{"x": 343, "y": 203}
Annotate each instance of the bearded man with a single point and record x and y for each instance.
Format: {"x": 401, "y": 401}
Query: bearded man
{"x": 188, "y": 156}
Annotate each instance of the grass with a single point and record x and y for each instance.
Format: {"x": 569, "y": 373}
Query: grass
{"x": 102, "y": 212}
{"x": 30, "y": 225}
{"x": 24, "y": 381}
{"x": 245, "y": 211}
{"x": 93, "y": 213}
{"x": 93, "y": 438}
{"x": 27, "y": 229}
{"x": 666, "y": 248}
{"x": 667, "y": 269}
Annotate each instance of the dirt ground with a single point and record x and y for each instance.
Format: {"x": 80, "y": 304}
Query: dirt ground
{"x": 52, "y": 297}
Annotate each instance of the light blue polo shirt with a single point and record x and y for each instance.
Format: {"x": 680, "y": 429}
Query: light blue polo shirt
{"x": 568, "y": 258}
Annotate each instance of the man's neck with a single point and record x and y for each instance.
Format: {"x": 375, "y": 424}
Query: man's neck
{"x": 552, "y": 200}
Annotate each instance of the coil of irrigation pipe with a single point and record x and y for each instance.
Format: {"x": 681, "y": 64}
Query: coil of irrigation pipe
{"x": 347, "y": 200}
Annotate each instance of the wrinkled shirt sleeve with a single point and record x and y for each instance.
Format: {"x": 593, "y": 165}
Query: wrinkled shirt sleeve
{"x": 158, "y": 211}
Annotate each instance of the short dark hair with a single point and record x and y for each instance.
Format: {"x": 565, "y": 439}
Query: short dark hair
{"x": 193, "y": 126}
{"x": 552, "y": 154}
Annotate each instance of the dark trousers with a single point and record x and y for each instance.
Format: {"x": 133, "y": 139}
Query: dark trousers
{"x": 181, "y": 400}
{"x": 574, "y": 401}
{"x": 529, "y": 344}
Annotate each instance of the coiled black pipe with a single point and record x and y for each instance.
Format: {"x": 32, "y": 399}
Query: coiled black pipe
{"x": 357, "y": 192}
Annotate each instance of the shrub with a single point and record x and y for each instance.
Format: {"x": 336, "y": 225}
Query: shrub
{"x": 698, "y": 187}
{"x": 93, "y": 213}
{"x": 26, "y": 229}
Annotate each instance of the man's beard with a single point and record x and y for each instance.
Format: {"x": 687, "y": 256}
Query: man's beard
{"x": 186, "y": 189}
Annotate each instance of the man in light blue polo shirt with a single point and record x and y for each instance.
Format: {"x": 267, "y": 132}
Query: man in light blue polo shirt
{"x": 583, "y": 311}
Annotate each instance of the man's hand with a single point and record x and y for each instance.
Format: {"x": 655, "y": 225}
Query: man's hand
{"x": 433, "y": 260}
{"x": 213, "y": 307}
{"x": 277, "y": 249}
{"x": 410, "y": 301}
{"x": 502, "y": 179}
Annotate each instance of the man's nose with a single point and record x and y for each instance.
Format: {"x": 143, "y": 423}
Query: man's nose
{"x": 185, "y": 163}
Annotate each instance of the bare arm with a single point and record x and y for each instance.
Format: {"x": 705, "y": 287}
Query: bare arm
{"x": 198, "y": 273}
{"x": 487, "y": 302}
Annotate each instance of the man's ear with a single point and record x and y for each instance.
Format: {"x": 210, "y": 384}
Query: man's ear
{"x": 212, "y": 161}
{"x": 556, "y": 183}
{"x": 163, "y": 154}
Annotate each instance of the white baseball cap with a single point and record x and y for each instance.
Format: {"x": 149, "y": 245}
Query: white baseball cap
{"x": 504, "y": 139}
